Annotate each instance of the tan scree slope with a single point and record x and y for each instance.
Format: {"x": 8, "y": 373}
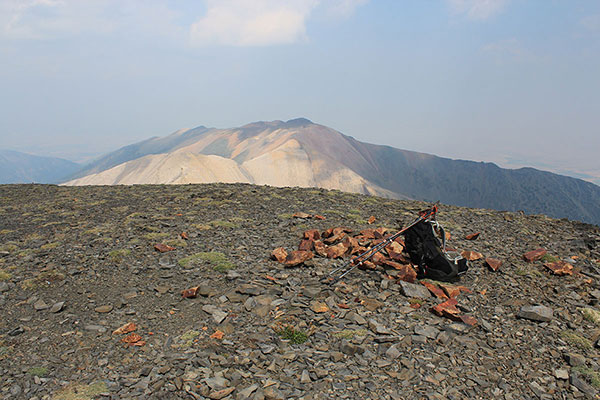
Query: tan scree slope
{"x": 168, "y": 168}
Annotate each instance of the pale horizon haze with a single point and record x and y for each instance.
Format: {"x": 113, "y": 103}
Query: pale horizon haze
{"x": 515, "y": 82}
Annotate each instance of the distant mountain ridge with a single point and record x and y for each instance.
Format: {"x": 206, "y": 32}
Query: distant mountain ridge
{"x": 17, "y": 167}
{"x": 301, "y": 153}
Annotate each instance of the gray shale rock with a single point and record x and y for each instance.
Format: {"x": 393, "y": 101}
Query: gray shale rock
{"x": 217, "y": 314}
{"x": 413, "y": 290}
{"x": 536, "y": 313}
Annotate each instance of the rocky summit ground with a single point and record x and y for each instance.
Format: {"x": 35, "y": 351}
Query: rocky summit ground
{"x": 79, "y": 263}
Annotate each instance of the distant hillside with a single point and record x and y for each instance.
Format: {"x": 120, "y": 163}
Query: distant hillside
{"x": 17, "y": 167}
{"x": 301, "y": 153}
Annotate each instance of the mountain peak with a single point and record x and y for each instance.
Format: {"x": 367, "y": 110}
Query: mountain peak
{"x": 292, "y": 123}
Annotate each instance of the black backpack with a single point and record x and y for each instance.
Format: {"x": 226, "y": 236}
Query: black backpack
{"x": 429, "y": 255}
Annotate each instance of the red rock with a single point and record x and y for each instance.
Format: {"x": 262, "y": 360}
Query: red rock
{"x": 493, "y": 263}
{"x": 394, "y": 247}
{"x": 302, "y": 215}
{"x": 447, "y": 309}
{"x": 471, "y": 255}
{"x": 279, "y": 254}
{"x": 398, "y": 257}
{"x": 400, "y": 241}
{"x": 335, "y": 231}
{"x": 320, "y": 248}
{"x": 319, "y": 217}
{"x": 367, "y": 265}
{"x": 407, "y": 274}
{"x": 351, "y": 244}
{"x": 368, "y": 233}
{"x": 473, "y": 236}
{"x": 378, "y": 258}
{"x": 319, "y": 307}
{"x": 334, "y": 238}
{"x": 376, "y": 242}
{"x": 380, "y": 232}
{"x": 560, "y": 268}
{"x": 184, "y": 235}
{"x": 217, "y": 335}
{"x": 467, "y": 319}
{"x": 327, "y": 233}
{"x": 297, "y": 257}
{"x": 453, "y": 290}
{"x": 127, "y": 328}
{"x": 391, "y": 263}
{"x": 436, "y": 291}
{"x": 163, "y": 248}
{"x": 450, "y": 290}
{"x": 336, "y": 251}
{"x": 132, "y": 338}
{"x": 312, "y": 234}
{"x": 190, "y": 293}
{"x": 307, "y": 245}
{"x": 534, "y": 255}
{"x": 371, "y": 219}
{"x": 358, "y": 250}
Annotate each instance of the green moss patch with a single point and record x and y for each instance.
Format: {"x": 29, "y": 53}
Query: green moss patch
{"x": 223, "y": 224}
{"x": 295, "y": 336}
{"x": 118, "y": 255}
{"x": 45, "y": 278}
{"x": 350, "y": 333}
{"x": 576, "y": 340}
{"x": 590, "y": 375}
{"x": 4, "y": 276}
{"x": 218, "y": 260}
{"x": 38, "y": 371}
{"x": 547, "y": 258}
{"x": 590, "y": 314}
{"x": 187, "y": 339}
{"x": 50, "y": 246}
{"x": 156, "y": 236}
{"x": 176, "y": 243}
{"x": 80, "y": 391}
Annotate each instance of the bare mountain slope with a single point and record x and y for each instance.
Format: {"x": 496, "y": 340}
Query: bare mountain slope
{"x": 301, "y": 153}
{"x": 17, "y": 167}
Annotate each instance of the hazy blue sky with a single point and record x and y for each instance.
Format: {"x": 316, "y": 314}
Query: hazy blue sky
{"x": 511, "y": 81}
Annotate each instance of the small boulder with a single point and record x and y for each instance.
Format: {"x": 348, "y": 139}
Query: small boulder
{"x": 279, "y": 254}
{"x": 536, "y": 313}
{"x": 297, "y": 257}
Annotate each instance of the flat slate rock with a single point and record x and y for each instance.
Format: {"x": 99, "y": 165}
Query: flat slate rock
{"x": 414, "y": 290}
{"x": 536, "y": 313}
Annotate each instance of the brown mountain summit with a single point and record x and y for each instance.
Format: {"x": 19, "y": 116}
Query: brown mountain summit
{"x": 293, "y": 153}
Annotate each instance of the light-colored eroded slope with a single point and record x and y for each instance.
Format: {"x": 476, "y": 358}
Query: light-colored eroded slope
{"x": 168, "y": 168}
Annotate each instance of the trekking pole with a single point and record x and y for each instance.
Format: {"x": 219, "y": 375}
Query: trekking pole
{"x": 358, "y": 260}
